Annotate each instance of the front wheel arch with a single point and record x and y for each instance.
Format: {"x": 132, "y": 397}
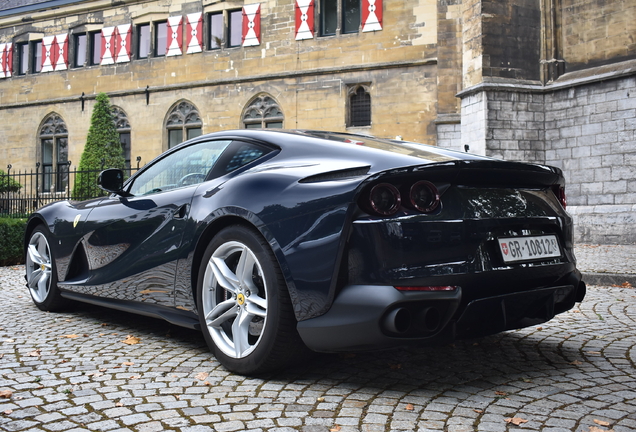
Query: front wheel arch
{"x": 217, "y": 226}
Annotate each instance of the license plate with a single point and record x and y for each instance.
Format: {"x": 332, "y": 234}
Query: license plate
{"x": 529, "y": 248}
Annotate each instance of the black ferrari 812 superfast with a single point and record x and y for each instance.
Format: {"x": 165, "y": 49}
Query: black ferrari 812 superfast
{"x": 272, "y": 242}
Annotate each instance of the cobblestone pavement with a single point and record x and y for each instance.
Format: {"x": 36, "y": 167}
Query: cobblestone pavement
{"x": 71, "y": 372}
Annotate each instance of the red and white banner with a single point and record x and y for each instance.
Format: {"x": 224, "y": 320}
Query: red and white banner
{"x": 371, "y": 15}
{"x": 251, "y": 25}
{"x": 108, "y": 46}
{"x": 194, "y": 39}
{"x": 6, "y": 60}
{"x": 123, "y": 43}
{"x": 174, "y": 40}
{"x": 47, "y": 54}
{"x": 304, "y": 19}
{"x": 60, "y": 52}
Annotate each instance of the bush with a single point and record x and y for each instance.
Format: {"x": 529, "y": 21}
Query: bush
{"x": 7, "y": 184}
{"x": 12, "y": 235}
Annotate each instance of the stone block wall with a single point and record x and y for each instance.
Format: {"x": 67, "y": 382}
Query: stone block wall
{"x": 591, "y": 135}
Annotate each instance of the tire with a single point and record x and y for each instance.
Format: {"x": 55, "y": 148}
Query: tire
{"x": 41, "y": 273}
{"x": 243, "y": 304}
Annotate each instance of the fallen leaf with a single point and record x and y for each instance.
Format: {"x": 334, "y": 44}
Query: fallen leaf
{"x": 516, "y": 420}
{"x": 119, "y": 404}
{"x": 102, "y": 334}
{"x": 501, "y": 393}
{"x": 601, "y": 422}
{"x": 177, "y": 396}
{"x": 6, "y": 393}
{"x": 104, "y": 324}
{"x": 539, "y": 328}
{"x": 593, "y": 352}
{"x": 69, "y": 320}
{"x": 85, "y": 335}
{"x": 597, "y": 429}
{"x": 201, "y": 376}
{"x": 320, "y": 399}
{"x": 478, "y": 411}
{"x": 335, "y": 428}
{"x": 71, "y": 336}
{"x": 7, "y": 412}
{"x": 207, "y": 383}
{"x": 576, "y": 363}
{"x": 35, "y": 353}
{"x": 103, "y": 370}
{"x": 131, "y": 340}
{"x": 128, "y": 363}
{"x": 526, "y": 380}
{"x": 410, "y": 407}
{"x": 134, "y": 377}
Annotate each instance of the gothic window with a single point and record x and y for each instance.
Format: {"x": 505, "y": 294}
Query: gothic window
{"x": 359, "y": 107}
{"x": 263, "y": 112}
{"x": 184, "y": 123}
{"x": 53, "y": 138}
{"x": 123, "y": 129}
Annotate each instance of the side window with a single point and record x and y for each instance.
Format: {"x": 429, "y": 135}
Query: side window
{"x": 237, "y": 155}
{"x": 190, "y": 165}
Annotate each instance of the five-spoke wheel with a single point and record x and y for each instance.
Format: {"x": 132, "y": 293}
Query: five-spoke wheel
{"x": 243, "y": 304}
{"x": 40, "y": 272}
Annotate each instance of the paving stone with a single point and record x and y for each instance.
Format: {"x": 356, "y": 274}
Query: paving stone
{"x": 559, "y": 376}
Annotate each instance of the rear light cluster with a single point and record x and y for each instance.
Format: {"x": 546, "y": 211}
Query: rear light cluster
{"x": 385, "y": 199}
{"x": 559, "y": 192}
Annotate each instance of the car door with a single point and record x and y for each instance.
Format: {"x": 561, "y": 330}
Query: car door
{"x": 132, "y": 243}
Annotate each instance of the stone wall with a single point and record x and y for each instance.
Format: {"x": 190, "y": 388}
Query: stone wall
{"x": 585, "y": 126}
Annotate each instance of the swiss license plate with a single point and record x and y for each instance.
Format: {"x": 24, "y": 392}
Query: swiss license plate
{"x": 529, "y": 248}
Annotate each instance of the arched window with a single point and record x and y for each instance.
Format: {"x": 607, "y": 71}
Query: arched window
{"x": 263, "y": 112}
{"x": 184, "y": 122}
{"x": 123, "y": 129}
{"x": 53, "y": 140}
{"x": 359, "y": 106}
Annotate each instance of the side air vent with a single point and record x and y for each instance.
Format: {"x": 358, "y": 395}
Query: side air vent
{"x": 336, "y": 175}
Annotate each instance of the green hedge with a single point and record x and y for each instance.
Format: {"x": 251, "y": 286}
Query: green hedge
{"x": 11, "y": 241}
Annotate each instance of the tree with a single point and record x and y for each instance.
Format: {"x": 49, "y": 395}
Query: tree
{"x": 102, "y": 150}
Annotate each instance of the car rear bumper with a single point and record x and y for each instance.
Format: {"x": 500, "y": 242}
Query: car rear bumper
{"x": 370, "y": 317}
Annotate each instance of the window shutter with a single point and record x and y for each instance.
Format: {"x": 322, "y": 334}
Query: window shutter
{"x": 304, "y": 19}
{"x": 47, "y": 54}
{"x": 174, "y": 41}
{"x": 371, "y": 15}
{"x": 195, "y": 33}
{"x": 8, "y": 56}
{"x": 252, "y": 25}
{"x": 3, "y": 61}
{"x": 61, "y": 52}
{"x": 123, "y": 45}
{"x": 108, "y": 46}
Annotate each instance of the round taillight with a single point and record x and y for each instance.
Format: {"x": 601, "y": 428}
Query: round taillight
{"x": 424, "y": 196}
{"x": 384, "y": 199}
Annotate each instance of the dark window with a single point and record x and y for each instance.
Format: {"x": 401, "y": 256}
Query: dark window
{"x": 143, "y": 41}
{"x": 37, "y": 56}
{"x": 123, "y": 129}
{"x": 54, "y": 154}
{"x": 328, "y": 17}
{"x": 263, "y": 112}
{"x": 23, "y": 58}
{"x": 184, "y": 121}
{"x": 161, "y": 38}
{"x": 80, "y": 49}
{"x": 96, "y": 47}
{"x": 339, "y": 15}
{"x": 216, "y": 30}
{"x": 235, "y": 29}
{"x": 360, "y": 108}
{"x": 350, "y": 16}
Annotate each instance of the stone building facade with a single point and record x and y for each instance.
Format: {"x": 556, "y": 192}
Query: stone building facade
{"x": 548, "y": 81}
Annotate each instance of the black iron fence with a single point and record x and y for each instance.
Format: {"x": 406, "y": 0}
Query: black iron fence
{"x": 23, "y": 192}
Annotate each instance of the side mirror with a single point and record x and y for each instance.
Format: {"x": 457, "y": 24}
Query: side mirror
{"x": 111, "y": 180}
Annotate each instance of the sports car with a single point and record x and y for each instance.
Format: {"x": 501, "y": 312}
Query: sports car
{"x": 272, "y": 242}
